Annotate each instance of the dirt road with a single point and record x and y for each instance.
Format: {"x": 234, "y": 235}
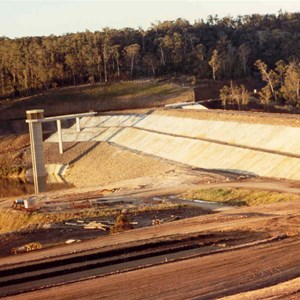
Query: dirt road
{"x": 202, "y": 278}
{"x": 208, "y": 277}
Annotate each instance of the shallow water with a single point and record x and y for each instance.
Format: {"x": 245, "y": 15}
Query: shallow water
{"x": 20, "y": 187}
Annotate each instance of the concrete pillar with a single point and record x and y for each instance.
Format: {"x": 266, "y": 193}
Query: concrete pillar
{"x": 34, "y": 118}
{"x": 59, "y": 135}
{"x": 78, "y": 124}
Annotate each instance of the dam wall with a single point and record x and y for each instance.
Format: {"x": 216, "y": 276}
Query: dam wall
{"x": 264, "y": 150}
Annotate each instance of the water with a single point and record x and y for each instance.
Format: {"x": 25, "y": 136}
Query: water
{"x": 20, "y": 187}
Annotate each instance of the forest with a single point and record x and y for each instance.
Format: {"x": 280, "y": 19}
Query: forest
{"x": 230, "y": 48}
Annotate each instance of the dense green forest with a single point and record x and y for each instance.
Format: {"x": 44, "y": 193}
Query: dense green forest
{"x": 218, "y": 48}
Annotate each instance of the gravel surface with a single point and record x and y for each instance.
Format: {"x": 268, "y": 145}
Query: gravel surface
{"x": 106, "y": 164}
{"x": 72, "y": 152}
{"x": 234, "y": 116}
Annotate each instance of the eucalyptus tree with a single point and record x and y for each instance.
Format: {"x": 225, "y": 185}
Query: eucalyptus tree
{"x": 291, "y": 85}
{"x": 226, "y": 56}
{"x": 106, "y": 51}
{"x": 244, "y": 53}
{"x": 234, "y": 94}
{"x": 224, "y": 47}
{"x": 215, "y": 63}
{"x": 225, "y": 96}
{"x": 115, "y": 52}
{"x": 280, "y": 69}
{"x": 269, "y": 76}
{"x": 265, "y": 96}
{"x": 199, "y": 61}
{"x": 177, "y": 48}
{"x": 132, "y": 52}
{"x": 161, "y": 51}
{"x": 151, "y": 62}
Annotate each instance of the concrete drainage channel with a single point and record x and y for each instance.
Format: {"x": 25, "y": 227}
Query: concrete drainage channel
{"x": 26, "y": 277}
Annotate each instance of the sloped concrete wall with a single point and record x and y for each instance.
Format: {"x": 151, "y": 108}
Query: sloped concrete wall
{"x": 268, "y": 137}
{"x": 209, "y": 155}
{"x": 265, "y": 150}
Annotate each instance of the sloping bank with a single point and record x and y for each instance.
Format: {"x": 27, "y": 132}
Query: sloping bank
{"x": 264, "y": 150}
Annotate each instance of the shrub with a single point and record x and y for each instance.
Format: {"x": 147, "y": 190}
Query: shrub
{"x": 121, "y": 224}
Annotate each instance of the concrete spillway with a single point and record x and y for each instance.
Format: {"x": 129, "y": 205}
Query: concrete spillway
{"x": 265, "y": 150}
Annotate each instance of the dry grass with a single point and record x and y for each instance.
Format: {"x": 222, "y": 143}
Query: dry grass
{"x": 239, "y": 197}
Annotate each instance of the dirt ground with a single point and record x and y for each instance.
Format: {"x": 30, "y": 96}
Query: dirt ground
{"x": 189, "y": 279}
{"x": 245, "y": 270}
{"x": 235, "y": 271}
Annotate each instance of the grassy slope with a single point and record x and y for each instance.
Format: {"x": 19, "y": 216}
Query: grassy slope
{"x": 99, "y": 97}
{"x": 239, "y": 197}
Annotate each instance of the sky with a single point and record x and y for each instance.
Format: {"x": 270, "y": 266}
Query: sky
{"x": 42, "y": 18}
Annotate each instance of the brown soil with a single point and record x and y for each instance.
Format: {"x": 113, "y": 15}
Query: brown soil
{"x": 212, "y": 276}
{"x": 289, "y": 290}
{"x": 12, "y": 150}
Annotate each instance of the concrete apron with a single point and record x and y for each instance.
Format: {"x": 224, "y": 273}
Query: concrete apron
{"x": 54, "y": 173}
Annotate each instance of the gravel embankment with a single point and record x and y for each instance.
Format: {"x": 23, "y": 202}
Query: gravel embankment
{"x": 106, "y": 164}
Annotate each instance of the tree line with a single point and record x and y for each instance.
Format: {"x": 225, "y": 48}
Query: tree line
{"x": 282, "y": 86}
{"x": 218, "y": 48}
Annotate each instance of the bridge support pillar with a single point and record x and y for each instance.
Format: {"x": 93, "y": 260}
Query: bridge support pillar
{"x": 34, "y": 120}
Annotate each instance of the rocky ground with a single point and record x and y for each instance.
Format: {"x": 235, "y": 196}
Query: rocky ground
{"x": 106, "y": 164}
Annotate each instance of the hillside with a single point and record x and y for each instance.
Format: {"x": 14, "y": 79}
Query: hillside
{"x": 98, "y": 97}
{"x": 220, "y": 48}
